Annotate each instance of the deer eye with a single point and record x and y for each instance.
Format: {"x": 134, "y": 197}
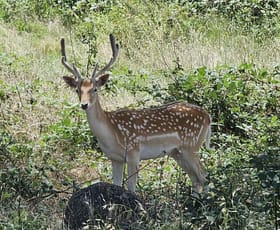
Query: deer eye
{"x": 77, "y": 91}
{"x": 94, "y": 90}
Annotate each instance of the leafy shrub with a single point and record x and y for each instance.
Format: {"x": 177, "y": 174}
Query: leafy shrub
{"x": 234, "y": 96}
{"x": 20, "y": 181}
{"x": 244, "y": 108}
{"x": 260, "y": 17}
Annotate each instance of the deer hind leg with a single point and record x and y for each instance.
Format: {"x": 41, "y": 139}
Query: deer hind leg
{"x": 117, "y": 172}
{"x": 190, "y": 163}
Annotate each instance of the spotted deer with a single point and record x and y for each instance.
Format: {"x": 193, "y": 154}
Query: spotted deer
{"x": 177, "y": 129}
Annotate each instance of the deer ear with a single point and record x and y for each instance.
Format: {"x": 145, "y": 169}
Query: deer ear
{"x": 70, "y": 81}
{"x": 102, "y": 79}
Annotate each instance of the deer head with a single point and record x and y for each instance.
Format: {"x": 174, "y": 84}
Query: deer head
{"x": 87, "y": 88}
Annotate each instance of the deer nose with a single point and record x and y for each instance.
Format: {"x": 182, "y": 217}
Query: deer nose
{"x": 84, "y": 106}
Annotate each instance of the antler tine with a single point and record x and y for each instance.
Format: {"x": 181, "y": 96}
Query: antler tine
{"x": 73, "y": 69}
{"x": 94, "y": 71}
{"x": 115, "y": 50}
{"x": 78, "y": 74}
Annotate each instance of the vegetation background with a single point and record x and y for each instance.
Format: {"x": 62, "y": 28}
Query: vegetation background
{"x": 221, "y": 55}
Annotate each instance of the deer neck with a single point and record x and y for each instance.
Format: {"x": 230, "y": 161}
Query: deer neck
{"x": 97, "y": 118}
{"x": 100, "y": 126}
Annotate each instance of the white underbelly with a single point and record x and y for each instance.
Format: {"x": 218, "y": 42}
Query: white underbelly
{"x": 158, "y": 145}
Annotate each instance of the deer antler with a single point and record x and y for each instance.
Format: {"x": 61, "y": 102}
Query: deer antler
{"x": 115, "y": 50}
{"x": 73, "y": 69}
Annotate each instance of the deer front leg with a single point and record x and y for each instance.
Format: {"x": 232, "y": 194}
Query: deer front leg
{"x": 117, "y": 172}
{"x": 132, "y": 171}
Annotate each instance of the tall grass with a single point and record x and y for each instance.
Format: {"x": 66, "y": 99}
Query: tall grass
{"x": 156, "y": 36}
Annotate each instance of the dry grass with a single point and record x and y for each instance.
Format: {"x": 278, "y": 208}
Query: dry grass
{"x": 153, "y": 54}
